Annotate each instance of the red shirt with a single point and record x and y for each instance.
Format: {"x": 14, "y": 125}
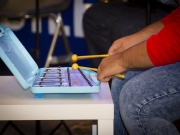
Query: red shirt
{"x": 164, "y": 47}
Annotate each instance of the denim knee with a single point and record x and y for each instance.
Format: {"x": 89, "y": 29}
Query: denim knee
{"x": 151, "y": 99}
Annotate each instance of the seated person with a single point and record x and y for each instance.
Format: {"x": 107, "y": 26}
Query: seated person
{"x": 147, "y": 100}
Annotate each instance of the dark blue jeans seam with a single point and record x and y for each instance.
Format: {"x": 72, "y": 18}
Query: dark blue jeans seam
{"x": 140, "y": 121}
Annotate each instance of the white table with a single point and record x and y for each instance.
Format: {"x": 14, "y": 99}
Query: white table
{"x": 19, "y": 104}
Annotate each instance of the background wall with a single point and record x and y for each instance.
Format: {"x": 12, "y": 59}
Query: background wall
{"x": 72, "y": 18}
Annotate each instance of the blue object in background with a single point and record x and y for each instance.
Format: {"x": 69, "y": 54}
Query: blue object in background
{"x": 72, "y": 19}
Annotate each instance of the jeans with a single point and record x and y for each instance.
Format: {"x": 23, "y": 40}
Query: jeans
{"x": 147, "y": 102}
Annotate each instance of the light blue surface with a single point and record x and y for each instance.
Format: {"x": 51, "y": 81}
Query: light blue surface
{"x": 17, "y": 59}
{"x": 25, "y": 69}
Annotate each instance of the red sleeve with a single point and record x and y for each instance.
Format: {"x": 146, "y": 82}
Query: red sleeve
{"x": 170, "y": 17}
{"x": 164, "y": 47}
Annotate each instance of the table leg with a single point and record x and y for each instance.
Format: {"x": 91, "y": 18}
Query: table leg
{"x": 94, "y": 129}
{"x": 105, "y": 127}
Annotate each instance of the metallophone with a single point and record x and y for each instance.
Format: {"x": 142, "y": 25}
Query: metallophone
{"x": 75, "y": 79}
{"x": 43, "y": 80}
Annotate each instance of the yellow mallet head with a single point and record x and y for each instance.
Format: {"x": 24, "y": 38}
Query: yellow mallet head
{"x": 75, "y": 66}
{"x": 74, "y": 57}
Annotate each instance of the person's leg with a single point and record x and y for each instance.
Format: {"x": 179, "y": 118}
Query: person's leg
{"x": 116, "y": 86}
{"x": 103, "y": 23}
{"x": 150, "y": 102}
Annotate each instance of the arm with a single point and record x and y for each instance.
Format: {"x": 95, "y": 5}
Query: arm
{"x": 134, "y": 57}
{"x": 141, "y": 51}
{"x": 126, "y": 42}
{"x": 160, "y": 49}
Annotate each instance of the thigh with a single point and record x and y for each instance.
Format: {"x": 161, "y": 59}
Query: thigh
{"x": 152, "y": 95}
{"x": 116, "y": 19}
